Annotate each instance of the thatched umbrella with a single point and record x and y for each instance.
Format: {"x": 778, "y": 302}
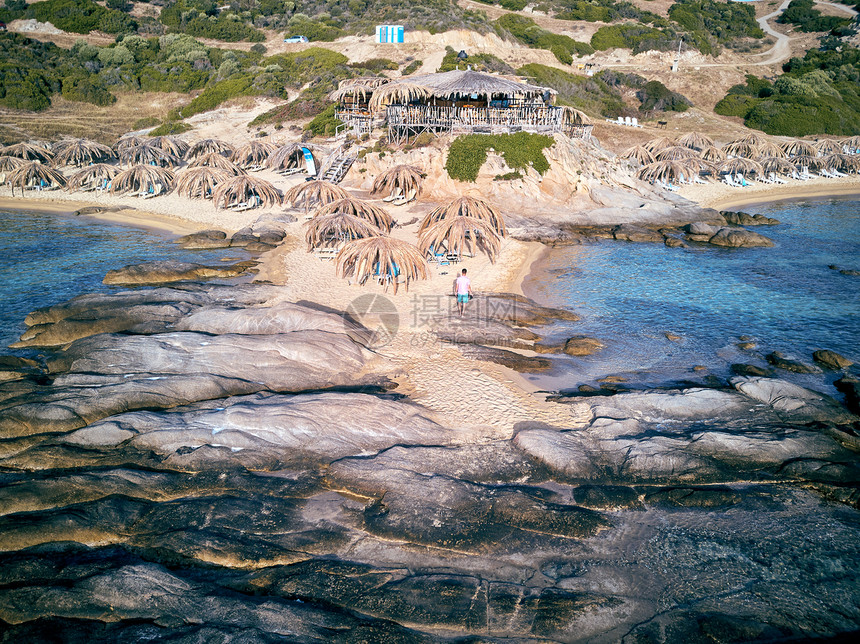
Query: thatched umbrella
{"x": 712, "y": 153}
{"x": 404, "y": 178}
{"x": 852, "y": 142}
{"x": 197, "y": 183}
{"x": 843, "y": 162}
{"x": 807, "y": 161}
{"x": 461, "y": 235}
{"x": 28, "y": 152}
{"x": 799, "y": 148}
{"x": 252, "y": 154}
{"x": 657, "y": 144}
{"x": 143, "y": 178}
{"x": 381, "y": 255}
{"x": 667, "y": 170}
{"x": 315, "y": 191}
{"x": 828, "y": 146}
{"x": 215, "y": 160}
{"x": 350, "y": 89}
{"x": 400, "y": 92}
{"x": 130, "y": 141}
{"x": 676, "y": 152}
{"x": 466, "y": 207}
{"x": 741, "y": 148}
{"x": 367, "y": 81}
{"x": 695, "y": 141}
{"x": 35, "y": 173}
{"x": 350, "y": 205}
{"x": 289, "y": 156}
{"x": 80, "y": 152}
{"x": 769, "y": 149}
{"x": 751, "y": 139}
{"x": 739, "y": 164}
{"x": 10, "y": 163}
{"x": 146, "y": 154}
{"x": 336, "y": 227}
{"x": 207, "y": 146}
{"x": 639, "y": 153}
{"x": 97, "y": 174}
{"x": 241, "y": 188}
{"x": 779, "y": 165}
{"x": 170, "y": 144}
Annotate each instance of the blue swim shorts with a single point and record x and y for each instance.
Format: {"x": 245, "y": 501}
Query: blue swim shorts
{"x": 462, "y": 298}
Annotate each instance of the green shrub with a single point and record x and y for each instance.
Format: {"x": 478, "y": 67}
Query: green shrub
{"x": 325, "y": 123}
{"x": 521, "y": 150}
{"x": 528, "y": 32}
{"x": 736, "y": 105}
{"x": 314, "y": 30}
{"x": 213, "y": 96}
{"x": 508, "y": 176}
{"x": 562, "y": 54}
{"x": 636, "y": 37}
{"x": 710, "y": 23}
{"x": 258, "y": 48}
{"x": 802, "y": 14}
{"x": 84, "y": 90}
{"x": 169, "y": 128}
{"x": 478, "y": 62}
{"x": 375, "y": 65}
{"x": 201, "y": 19}
{"x": 81, "y": 16}
{"x": 412, "y": 67}
{"x": 656, "y": 96}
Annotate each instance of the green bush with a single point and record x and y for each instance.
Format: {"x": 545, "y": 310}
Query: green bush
{"x": 325, "y": 123}
{"x": 84, "y": 90}
{"x": 521, "y": 150}
{"x": 412, "y": 67}
{"x": 201, "y": 19}
{"x": 656, "y": 96}
{"x": 528, "y": 32}
{"x": 314, "y": 30}
{"x": 81, "y": 16}
{"x": 169, "y": 128}
{"x": 802, "y": 14}
{"x": 736, "y": 105}
{"x": 711, "y": 23}
{"x": 213, "y": 96}
{"x": 636, "y": 37}
{"x": 375, "y": 65}
{"x": 145, "y": 122}
{"x": 478, "y": 62}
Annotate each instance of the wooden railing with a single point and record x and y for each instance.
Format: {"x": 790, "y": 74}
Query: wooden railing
{"x": 523, "y": 117}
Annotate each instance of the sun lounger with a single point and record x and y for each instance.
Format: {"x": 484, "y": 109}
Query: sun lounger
{"x": 326, "y": 253}
{"x": 635, "y": 122}
{"x": 253, "y": 202}
{"x": 824, "y": 172}
{"x": 394, "y": 195}
{"x": 409, "y": 197}
{"x": 628, "y": 121}
{"x": 667, "y": 186}
{"x": 837, "y": 173}
{"x": 776, "y": 179}
{"x": 698, "y": 179}
{"x": 727, "y": 179}
{"x": 620, "y": 120}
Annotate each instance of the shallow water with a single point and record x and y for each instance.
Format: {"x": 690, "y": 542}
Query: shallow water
{"x": 786, "y": 298}
{"x": 46, "y": 258}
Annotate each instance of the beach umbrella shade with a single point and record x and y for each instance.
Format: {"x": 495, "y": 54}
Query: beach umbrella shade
{"x": 336, "y": 227}
{"x": 843, "y": 162}
{"x": 28, "y": 152}
{"x": 666, "y": 170}
{"x": 289, "y": 156}
{"x": 215, "y": 160}
{"x": 657, "y": 144}
{"x": 461, "y": 235}
{"x": 35, "y": 173}
{"x": 807, "y": 161}
{"x": 769, "y": 149}
{"x": 129, "y": 141}
{"x": 639, "y": 153}
{"x": 143, "y": 178}
{"x": 359, "y": 90}
{"x": 739, "y": 164}
{"x": 466, "y": 207}
{"x": 252, "y": 154}
{"x": 243, "y": 187}
{"x": 95, "y": 174}
{"x": 312, "y": 192}
{"x": 828, "y": 146}
{"x": 147, "y": 154}
{"x": 381, "y": 255}
{"x": 741, "y": 148}
{"x": 404, "y": 178}
{"x": 208, "y": 146}
{"x": 197, "y": 183}
{"x": 695, "y": 141}
{"x": 779, "y": 165}
{"x": 80, "y": 152}
{"x": 799, "y": 148}
{"x": 751, "y": 139}
{"x": 397, "y": 93}
{"x": 852, "y": 143}
{"x": 676, "y": 152}
{"x": 170, "y": 144}
{"x": 10, "y": 163}
{"x": 367, "y": 81}
{"x": 712, "y": 153}
{"x": 374, "y": 214}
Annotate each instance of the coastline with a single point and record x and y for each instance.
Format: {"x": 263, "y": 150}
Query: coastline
{"x": 722, "y": 197}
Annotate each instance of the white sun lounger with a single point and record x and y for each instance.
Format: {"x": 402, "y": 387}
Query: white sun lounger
{"x": 396, "y": 194}
{"x": 409, "y": 197}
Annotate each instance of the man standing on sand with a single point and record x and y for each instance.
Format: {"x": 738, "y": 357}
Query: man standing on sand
{"x": 463, "y": 291}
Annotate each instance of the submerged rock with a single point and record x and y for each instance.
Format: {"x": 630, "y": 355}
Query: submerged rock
{"x": 632, "y": 233}
{"x": 831, "y": 360}
{"x": 745, "y": 219}
{"x": 780, "y": 361}
{"x": 204, "y": 239}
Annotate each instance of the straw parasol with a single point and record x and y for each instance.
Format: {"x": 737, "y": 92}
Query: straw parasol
{"x": 143, "y": 178}
{"x": 843, "y": 162}
{"x": 466, "y": 207}
{"x": 10, "y": 163}
{"x": 146, "y": 154}
{"x": 676, "y": 152}
{"x": 35, "y": 173}
{"x": 315, "y": 191}
{"x": 808, "y": 161}
{"x": 852, "y": 142}
{"x": 400, "y": 177}
{"x": 367, "y": 81}
{"x": 401, "y": 92}
{"x": 197, "y": 183}
{"x": 28, "y": 152}
{"x": 92, "y": 175}
{"x": 739, "y": 164}
{"x": 828, "y": 146}
{"x": 666, "y": 170}
{"x": 289, "y": 156}
{"x": 207, "y": 146}
{"x": 741, "y": 148}
{"x": 351, "y": 89}
{"x": 128, "y": 141}
{"x": 80, "y": 152}
{"x": 657, "y": 144}
{"x": 461, "y": 235}
{"x": 336, "y": 227}
{"x": 243, "y": 187}
{"x": 777, "y": 164}
{"x": 712, "y": 153}
{"x": 382, "y": 255}
{"x": 215, "y": 160}
{"x": 769, "y": 149}
{"x": 799, "y": 148}
{"x": 252, "y": 154}
{"x": 639, "y": 153}
{"x": 751, "y": 139}
{"x": 695, "y": 141}
{"x": 170, "y": 144}
{"x": 350, "y": 205}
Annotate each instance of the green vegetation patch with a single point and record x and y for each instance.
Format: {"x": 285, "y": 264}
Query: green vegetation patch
{"x": 802, "y": 14}
{"x": 521, "y": 150}
{"x": 203, "y": 19}
{"x": 81, "y": 16}
{"x": 478, "y": 62}
{"x": 528, "y": 32}
{"x": 709, "y": 24}
{"x": 636, "y": 37}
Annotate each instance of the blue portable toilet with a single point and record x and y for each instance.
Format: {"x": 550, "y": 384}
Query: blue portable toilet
{"x": 389, "y": 34}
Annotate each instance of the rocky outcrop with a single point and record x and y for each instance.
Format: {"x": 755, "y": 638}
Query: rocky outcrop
{"x": 831, "y": 360}
{"x": 745, "y": 219}
{"x": 781, "y": 361}
{"x": 166, "y": 272}
{"x": 204, "y": 239}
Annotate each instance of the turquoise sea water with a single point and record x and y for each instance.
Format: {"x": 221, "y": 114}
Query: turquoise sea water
{"x": 785, "y": 298}
{"x": 46, "y": 259}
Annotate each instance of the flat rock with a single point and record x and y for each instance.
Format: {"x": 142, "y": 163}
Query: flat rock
{"x": 745, "y": 219}
{"x": 165, "y": 272}
{"x": 831, "y": 360}
{"x": 780, "y": 361}
{"x": 510, "y": 359}
{"x": 701, "y": 228}
{"x": 739, "y": 238}
{"x": 204, "y": 239}
{"x": 582, "y": 345}
{"x": 741, "y": 369}
{"x": 632, "y": 233}
{"x": 793, "y": 403}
